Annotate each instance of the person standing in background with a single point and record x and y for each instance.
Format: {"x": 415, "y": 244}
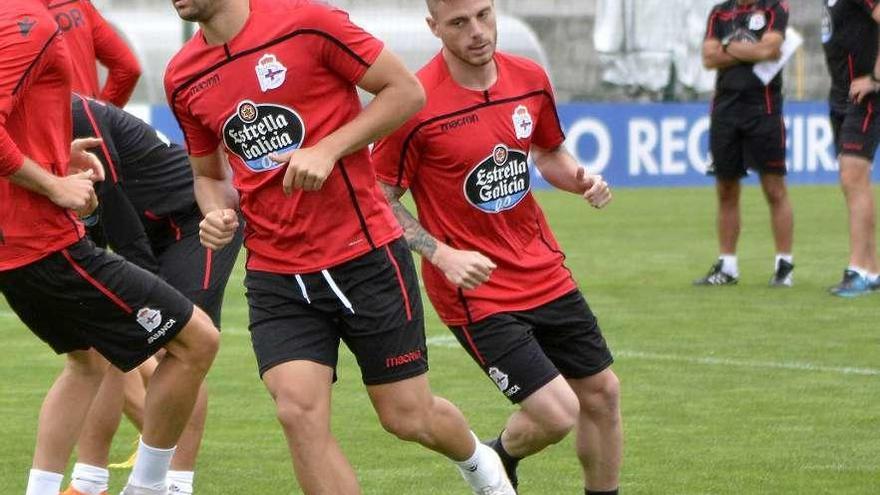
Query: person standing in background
{"x": 747, "y": 128}
{"x": 91, "y": 40}
{"x": 850, "y": 38}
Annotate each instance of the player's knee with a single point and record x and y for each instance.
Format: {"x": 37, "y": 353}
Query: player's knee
{"x": 204, "y": 341}
{"x": 405, "y": 420}
{"x": 300, "y": 417}
{"x": 602, "y": 397}
{"x": 560, "y": 417}
{"x": 87, "y": 364}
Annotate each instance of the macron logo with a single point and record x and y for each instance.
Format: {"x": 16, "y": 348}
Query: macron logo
{"x": 25, "y": 25}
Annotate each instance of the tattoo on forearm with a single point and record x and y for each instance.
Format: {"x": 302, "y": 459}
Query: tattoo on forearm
{"x": 416, "y": 236}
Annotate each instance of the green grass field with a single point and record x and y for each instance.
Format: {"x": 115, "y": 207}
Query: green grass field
{"x": 726, "y": 391}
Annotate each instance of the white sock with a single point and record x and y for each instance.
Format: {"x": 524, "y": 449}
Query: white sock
{"x": 151, "y": 467}
{"x": 44, "y": 483}
{"x": 729, "y": 264}
{"x": 482, "y": 468}
{"x": 90, "y": 480}
{"x": 861, "y": 271}
{"x": 182, "y": 481}
{"x": 787, "y": 257}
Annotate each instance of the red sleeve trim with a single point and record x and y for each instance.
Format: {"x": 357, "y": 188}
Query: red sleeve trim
{"x": 98, "y": 134}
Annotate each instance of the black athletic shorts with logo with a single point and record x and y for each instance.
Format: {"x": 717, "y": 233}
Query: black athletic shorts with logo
{"x": 197, "y": 272}
{"x": 371, "y": 303}
{"x": 524, "y": 350}
{"x": 83, "y": 297}
{"x": 857, "y": 130}
{"x": 744, "y": 136}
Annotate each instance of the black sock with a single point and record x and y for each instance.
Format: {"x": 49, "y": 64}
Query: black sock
{"x": 593, "y": 492}
{"x": 509, "y": 462}
{"x": 505, "y": 456}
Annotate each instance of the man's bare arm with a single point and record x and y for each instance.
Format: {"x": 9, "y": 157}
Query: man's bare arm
{"x": 769, "y": 48}
{"x": 714, "y": 56}
{"x": 465, "y": 269}
{"x": 417, "y": 237}
{"x": 866, "y": 85}
{"x": 217, "y": 199}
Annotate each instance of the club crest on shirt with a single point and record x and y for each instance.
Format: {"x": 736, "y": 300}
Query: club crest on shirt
{"x": 500, "y": 181}
{"x": 257, "y": 130}
{"x": 522, "y": 122}
{"x": 827, "y": 24}
{"x": 270, "y": 72}
{"x": 757, "y": 21}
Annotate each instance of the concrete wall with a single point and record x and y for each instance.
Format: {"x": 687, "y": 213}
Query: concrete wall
{"x": 565, "y": 28}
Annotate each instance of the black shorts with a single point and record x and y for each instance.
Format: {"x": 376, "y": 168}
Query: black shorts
{"x": 372, "y": 303}
{"x": 83, "y": 297}
{"x": 199, "y": 273}
{"x": 523, "y": 351}
{"x": 742, "y": 137}
{"x": 857, "y": 130}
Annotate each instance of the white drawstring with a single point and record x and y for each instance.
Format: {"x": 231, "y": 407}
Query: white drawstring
{"x": 336, "y": 291}
{"x": 302, "y": 287}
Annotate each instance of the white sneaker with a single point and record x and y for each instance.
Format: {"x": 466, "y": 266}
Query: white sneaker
{"x": 139, "y": 490}
{"x": 489, "y": 478}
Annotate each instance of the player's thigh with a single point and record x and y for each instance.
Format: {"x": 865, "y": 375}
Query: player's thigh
{"x": 764, "y": 137}
{"x": 385, "y": 326}
{"x": 83, "y": 297}
{"x": 200, "y": 273}
{"x": 569, "y": 334}
{"x": 726, "y": 146}
{"x": 860, "y": 130}
{"x": 505, "y": 348}
{"x": 284, "y": 326}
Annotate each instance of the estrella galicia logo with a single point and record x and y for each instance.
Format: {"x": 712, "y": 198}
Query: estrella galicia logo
{"x": 256, "y": 130}
{"x": 499, "y": 182}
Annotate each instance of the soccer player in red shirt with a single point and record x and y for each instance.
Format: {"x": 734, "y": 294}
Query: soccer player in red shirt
{"x": 272, "y": 84}
{"x": 90, "y": 39}
{"x": 491, "y": 265}
{"x": 77, "y": 298}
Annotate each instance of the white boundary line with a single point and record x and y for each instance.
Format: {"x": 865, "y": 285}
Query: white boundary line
{"x": 450, "y": 342}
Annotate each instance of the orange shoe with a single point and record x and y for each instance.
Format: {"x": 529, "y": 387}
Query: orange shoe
{"x": 73, "y": 491}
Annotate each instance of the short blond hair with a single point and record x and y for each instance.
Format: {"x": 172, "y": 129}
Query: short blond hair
{"x": 432, "y": 6}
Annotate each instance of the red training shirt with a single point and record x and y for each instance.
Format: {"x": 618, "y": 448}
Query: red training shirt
{"x": 35, "y": 121}
{"x": 465, "y": 159}
{"x": 284, "y": 82}
{"x": 91, "y": 39}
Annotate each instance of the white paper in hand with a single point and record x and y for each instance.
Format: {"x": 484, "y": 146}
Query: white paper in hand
{"x": 767, "y": 70}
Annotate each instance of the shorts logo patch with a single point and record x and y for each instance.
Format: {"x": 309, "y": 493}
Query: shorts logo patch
{"x": 500, "y": 181}
{"x": 256, "y": 130}
{"x": 270, "y": 72}
{"x": 832, "y": 3}
{"x": 522, "y": 122}
{"x": 150, "y": 319}
{"x": 500, "y": 378}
